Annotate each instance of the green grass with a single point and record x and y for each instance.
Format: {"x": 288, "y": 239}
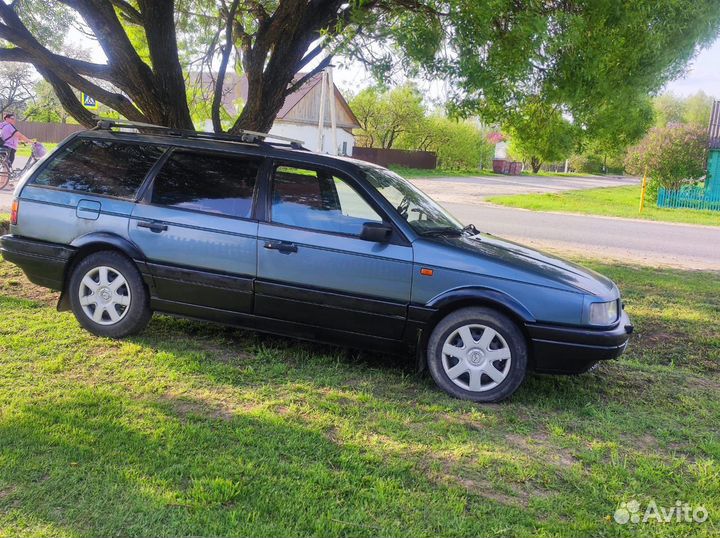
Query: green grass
{"x": 196, "y": 429}
{"x": 611, "y": 201}
{"x": 411, "y": 173}
{"x": 24, "y": 150}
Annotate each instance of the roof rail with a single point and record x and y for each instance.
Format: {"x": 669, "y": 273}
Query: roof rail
{"x": 248, "y": 137}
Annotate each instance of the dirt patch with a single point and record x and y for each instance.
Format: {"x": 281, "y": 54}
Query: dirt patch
{"x": 7, "y": 492}
{"x": 538, "y": 445}
{"x": 207, "y": 408}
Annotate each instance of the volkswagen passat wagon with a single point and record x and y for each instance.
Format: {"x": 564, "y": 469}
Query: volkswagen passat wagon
{"x": 275, "y": 238}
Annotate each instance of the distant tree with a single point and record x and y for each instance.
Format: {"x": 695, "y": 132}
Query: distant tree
{"x": 698, "y": 108}
{"x": 539, "y": 133}
{"x": 46, "y": 107}
{"x": 613, "y": 129}
{"x": 674, "y": 156}
{"x": 459, "y": 144}
{"x": 385, "y": 115}
{"x": 16, "y": 87}
{"x": 693, "y": 110}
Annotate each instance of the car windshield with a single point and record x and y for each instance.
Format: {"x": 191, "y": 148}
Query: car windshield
{"x": 422, "y": 213}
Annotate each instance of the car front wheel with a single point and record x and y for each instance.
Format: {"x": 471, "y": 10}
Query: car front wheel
{"x": 108, "y": 296}
{"x": 477, "y": 354}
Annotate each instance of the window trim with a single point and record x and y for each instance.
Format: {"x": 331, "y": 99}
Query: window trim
{"x": 78, "y": 138}
{"x": 398, "y": 237}
{"x": 149, "y": 188}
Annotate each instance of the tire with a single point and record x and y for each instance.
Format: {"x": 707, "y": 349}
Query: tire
{"x": 464, "y": 368}
{"x": 104, "y": 305}
{"x": 5, "y": 174}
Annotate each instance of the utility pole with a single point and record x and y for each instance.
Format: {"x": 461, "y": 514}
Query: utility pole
{"x": 333, "y": 112}
{"x": 321, "y": 119}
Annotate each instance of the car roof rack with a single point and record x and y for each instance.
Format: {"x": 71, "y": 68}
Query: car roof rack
{"x": 244, "y": 136}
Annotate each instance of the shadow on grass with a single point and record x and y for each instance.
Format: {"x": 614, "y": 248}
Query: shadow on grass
{"x": 92, "y": 462}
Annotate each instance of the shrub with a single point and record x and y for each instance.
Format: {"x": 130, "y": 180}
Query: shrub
{"x": 674, "y": 156}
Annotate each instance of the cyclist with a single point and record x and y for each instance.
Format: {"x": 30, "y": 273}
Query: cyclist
{"x": 10, "y": 137}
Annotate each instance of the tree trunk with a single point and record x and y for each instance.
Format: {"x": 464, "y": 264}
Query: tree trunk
{"x": 536, "y": 163}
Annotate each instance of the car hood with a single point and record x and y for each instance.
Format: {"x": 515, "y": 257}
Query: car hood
{"x": 528, "y": 260}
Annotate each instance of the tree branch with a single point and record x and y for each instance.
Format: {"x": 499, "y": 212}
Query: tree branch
{"x": 129, "y": 13}
{"x": 295, "y": 86}
{"x": 88, "y": 69}
{"x": 225, "y": 58}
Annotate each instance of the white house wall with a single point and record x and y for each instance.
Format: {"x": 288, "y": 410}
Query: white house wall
{"x": 309, "y": 136}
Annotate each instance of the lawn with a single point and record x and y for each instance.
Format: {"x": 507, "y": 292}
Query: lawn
{"x": 24, "y": 150}
{"x": 196, "y": 429}
{"x": 611, "y": 201}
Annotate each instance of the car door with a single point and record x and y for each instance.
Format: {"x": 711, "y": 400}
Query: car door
{"x": 313, "y": 267}
{"x": 196, "y": 228}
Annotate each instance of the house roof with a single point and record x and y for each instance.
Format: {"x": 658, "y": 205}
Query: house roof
{"x": 236, "y": 88}
{"x": 714, "y": 132}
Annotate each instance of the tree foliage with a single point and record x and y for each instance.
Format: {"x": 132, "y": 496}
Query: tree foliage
{"x": 384, "y": 116}
{"x": 693, "y": 110}
{"x": 459, "y": 144}
{"x": 539, "y": 133}
{"x": 673, "y": 156}
{"x": 16, "y": 87}
{"x": 579, "y": 56}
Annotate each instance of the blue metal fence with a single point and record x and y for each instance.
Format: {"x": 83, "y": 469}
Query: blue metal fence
{"x": 689, "y": 198}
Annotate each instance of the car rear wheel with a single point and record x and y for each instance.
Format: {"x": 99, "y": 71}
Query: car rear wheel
{"x": 477, "y": 354}
{"x": 108, "y": 296}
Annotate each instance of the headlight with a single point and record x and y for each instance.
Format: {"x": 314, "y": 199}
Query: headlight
{"x": 604, "y": 313}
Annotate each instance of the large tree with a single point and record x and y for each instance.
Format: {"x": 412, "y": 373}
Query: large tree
{"x": 494, "y": 53}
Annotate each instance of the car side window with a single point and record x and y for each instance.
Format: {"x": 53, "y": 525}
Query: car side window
{"x": 103, "y": 167}
{"x": 207, "y": 182}
{"x": 318, "y": 200}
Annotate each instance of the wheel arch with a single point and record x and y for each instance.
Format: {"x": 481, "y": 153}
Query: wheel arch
{"x": 89, "y": 244}
{"x": 457, "y": 299}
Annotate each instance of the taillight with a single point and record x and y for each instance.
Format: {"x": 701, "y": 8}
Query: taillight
{"x": 14, "y": 211}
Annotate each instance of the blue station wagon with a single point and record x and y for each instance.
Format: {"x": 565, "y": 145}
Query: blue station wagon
{"x": 272, "y": 237}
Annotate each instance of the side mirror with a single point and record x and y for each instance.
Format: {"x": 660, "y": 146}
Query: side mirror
{"x": 377, "y": 232}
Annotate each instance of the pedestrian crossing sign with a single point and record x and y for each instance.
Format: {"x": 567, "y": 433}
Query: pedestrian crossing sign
{"x": 89, "y": 102}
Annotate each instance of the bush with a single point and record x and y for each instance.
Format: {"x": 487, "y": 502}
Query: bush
{"x": 674, "y": 156}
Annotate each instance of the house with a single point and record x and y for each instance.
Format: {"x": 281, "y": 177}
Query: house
{"x": 299, "y": 117}
{"x": 712, "y": 183}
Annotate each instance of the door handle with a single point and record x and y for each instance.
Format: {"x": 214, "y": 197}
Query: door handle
{"x": 152, "y": 226}
{"x": 281, "y": 246}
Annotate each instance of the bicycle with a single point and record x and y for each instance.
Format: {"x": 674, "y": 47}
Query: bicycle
{"x": 9, "y": 175}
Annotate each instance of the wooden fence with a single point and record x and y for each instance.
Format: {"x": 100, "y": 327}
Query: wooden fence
{"x": 689, "y": 198}
{"x": 400, "y": 157}
{"x": 47, "y": 132}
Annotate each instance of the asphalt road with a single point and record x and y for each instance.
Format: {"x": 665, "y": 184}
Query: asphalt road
{"x": 635, "y": 241}
{"x": 651, "y": 243}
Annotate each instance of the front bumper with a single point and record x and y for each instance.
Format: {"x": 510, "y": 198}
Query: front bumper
{"x": 571, "y": 350}
{"x": 43, "y": 263}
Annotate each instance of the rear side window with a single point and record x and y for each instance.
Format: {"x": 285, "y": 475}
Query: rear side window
{"x": 208, "y": 183}
{"x": 101, "y": 167}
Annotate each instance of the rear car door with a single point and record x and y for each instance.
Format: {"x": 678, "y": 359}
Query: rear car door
{"x": 314, "y": 269}
{"x": 197, "y": 230}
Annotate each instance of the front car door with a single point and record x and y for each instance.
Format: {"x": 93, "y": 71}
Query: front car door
{"x": 314, "y": 269}
{"x": 197, "y": 231}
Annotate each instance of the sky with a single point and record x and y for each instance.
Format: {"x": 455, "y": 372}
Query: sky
{"x": 703, "y": 73}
